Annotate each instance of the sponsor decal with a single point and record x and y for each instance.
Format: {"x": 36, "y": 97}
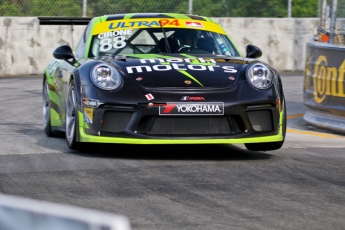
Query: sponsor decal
{"x": 178, "y": 60}
{"x": 139, "y": 78}
{"x": 191, "y": 98}
{"x": 134, "y": 23}
{"x": 89, "y": 103}
{"x": 231, "y": 78}
{"x": 146, "y": 23}
{"x": 201, "y": 108}
{"x": 188, "y": 82}
{"x": 194, "y": 24}
{"x": 88, "y": 115}
{"x": 149, "y": 96}
{"x": 327, "y": 80}
{"x": 178, "y": 64}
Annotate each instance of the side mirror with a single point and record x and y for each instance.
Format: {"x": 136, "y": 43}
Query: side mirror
{"x": 65, "y": 53}
{"x": 253, "y": 51}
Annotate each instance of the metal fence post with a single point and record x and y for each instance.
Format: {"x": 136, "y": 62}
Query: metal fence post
{"x": 333, "y": 20}
{"x": 323, "y": 15}
{"x": 289, "y": 8}
{"x": 84, "y": 7}
{"x": 190, "y": 6}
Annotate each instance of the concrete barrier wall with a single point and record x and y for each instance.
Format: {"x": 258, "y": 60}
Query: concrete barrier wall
{"x": 324, "y": 86}
{"x": 18, "y": 213}
{"x": 26, "y": 46}
{"x": 282, "y": 40}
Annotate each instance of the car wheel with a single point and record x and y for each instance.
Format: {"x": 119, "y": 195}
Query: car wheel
{"x": 268, "y": 146}
{"x": 46, "y": 111}
{"x": 71, "y": 119}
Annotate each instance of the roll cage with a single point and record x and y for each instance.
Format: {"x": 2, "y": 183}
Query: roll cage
{"x": 160, "y": 41}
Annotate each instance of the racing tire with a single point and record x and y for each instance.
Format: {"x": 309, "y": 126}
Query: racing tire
{"x": 46, "y": 111}
{"x": 71, "y": 119}
{"x": 269, "y": 146}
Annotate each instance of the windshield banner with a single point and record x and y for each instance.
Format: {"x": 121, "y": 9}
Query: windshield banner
{"x": 127, "y": 24}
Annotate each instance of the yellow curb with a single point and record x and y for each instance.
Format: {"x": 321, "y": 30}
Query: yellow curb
{"x": 295, "y": 116}
{"x": 324, "y": 135}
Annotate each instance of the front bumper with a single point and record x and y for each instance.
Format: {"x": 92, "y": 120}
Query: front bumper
{"x": 141, "y": 124}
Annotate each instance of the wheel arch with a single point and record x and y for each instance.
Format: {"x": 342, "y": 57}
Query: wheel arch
{"x": 75, "y": 77}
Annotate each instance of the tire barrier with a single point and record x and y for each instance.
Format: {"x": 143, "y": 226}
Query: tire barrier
{"x": 324, "y": 86}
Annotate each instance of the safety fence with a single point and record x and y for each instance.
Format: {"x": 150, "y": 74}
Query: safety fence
{"x": 210, "y": 8}
{"x": 324, "y": 74}
{"x": 330, "y": 29}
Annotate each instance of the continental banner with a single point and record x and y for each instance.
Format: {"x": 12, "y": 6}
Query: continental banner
{"x": 324, "y": 84}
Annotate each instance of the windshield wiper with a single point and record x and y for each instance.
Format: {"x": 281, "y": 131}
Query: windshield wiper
{"x": 167, "y": 47}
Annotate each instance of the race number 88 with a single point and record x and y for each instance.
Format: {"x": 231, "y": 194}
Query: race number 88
{"x": 107, "y": 44}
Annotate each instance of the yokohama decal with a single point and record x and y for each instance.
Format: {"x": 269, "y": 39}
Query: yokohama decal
{"x": 178, "y": 108}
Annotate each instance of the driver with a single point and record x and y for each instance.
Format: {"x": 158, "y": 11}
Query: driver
{"x": 186, "y": 38}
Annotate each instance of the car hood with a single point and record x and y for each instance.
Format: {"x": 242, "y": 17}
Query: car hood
{"x": 180, "y": 71}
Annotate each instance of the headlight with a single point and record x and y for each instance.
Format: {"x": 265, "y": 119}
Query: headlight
{"x": 106, "y": 77}
{"x": 259, "y": 76}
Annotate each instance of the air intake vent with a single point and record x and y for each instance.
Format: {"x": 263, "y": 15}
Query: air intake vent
{"x": 261, "y": 120}
{"x": 191, "y": 125}
{"x": 115, "y": 121}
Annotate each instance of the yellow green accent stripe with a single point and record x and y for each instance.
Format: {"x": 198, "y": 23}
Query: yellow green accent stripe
{"x": 81, "y": 121}
{"x": 190, "y": 76}
{"x": 179, "y": 16}
{"x": 55, "y": 119}
{"x": 148, "y": 56}
{"x": 83, "y": 137}
{"x": 120, "y": 140}
{"x": 128, "y": 16}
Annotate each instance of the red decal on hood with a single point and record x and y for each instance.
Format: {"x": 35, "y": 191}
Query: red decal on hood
{"x": 149, "y": 96}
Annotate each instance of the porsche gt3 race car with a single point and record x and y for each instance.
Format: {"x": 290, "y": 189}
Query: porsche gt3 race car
{"x": 156, "y": 78}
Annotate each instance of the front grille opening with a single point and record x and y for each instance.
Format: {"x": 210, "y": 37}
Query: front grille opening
{"x": 145, "y": 124}
{"x": 115, "y": 121}
{"x": 236, "y": 123}
{"x": 190, "y": 125}
{"x": 261, "y": 120}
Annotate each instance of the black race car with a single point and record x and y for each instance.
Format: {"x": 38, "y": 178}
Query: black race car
{"x": 151, "y": 78}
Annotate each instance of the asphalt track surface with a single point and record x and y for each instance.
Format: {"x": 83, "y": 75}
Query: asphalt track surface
{"x": 300, "y": 186}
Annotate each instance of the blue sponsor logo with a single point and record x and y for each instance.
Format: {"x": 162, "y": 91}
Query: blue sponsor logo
{"x": 113, "y": 26}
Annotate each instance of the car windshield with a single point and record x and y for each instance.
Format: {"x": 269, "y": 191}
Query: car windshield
{"x": 161, "y": 41}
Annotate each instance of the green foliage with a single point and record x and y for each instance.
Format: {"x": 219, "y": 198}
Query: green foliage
{"x": 252, "y": 8}
{"x": 55, "y": 8}
{"x": 10, "y": 9}
{"x": 210, "y": 8}
{"x": 102, "y": 7}
{"x": 305, "y": 8}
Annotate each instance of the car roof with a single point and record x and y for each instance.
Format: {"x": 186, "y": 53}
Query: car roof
{"x": 155, "y": 15}
{"x": 199, "y": 21}
{"x": 111, "y": 22}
